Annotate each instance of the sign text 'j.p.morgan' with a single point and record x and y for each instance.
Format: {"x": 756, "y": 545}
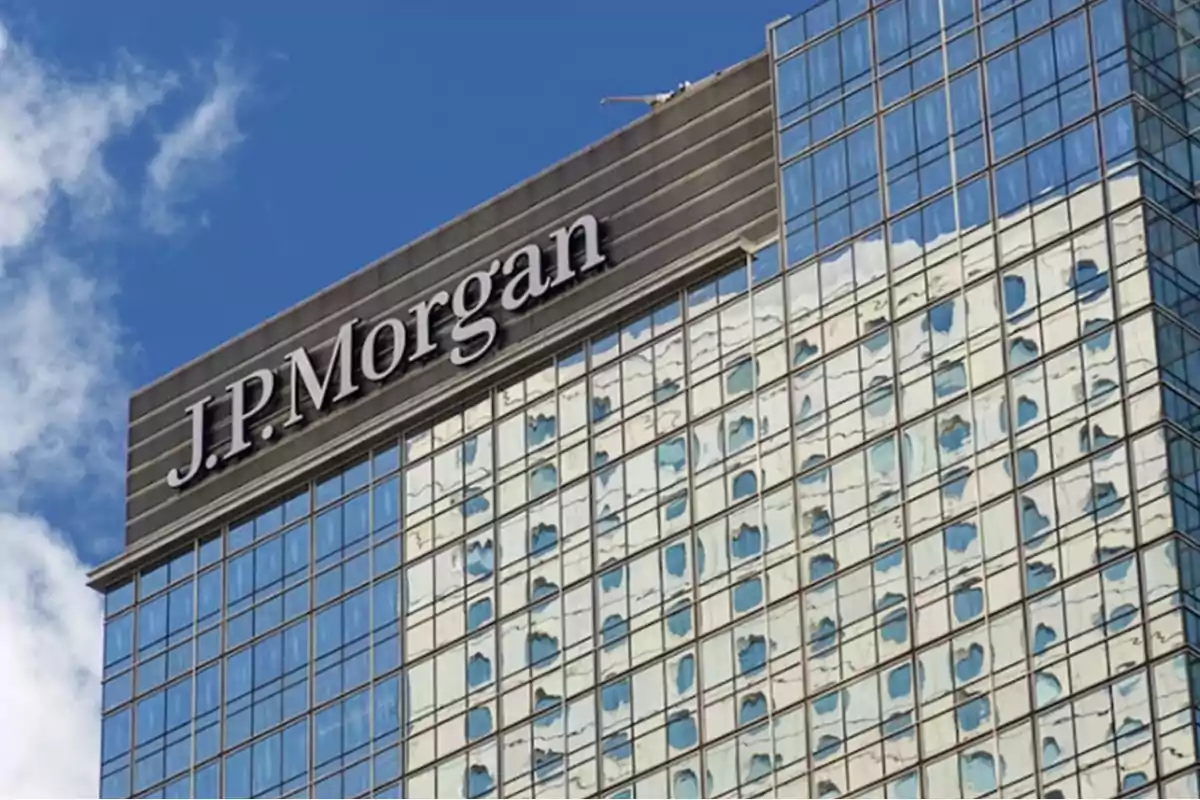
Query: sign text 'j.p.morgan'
{"x": 525, "y": 278}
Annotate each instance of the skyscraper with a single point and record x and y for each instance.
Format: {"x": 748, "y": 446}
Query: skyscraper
{"x": 827, "y": 432}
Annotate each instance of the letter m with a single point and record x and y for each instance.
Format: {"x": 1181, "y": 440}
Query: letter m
{"x": 304, "y": 375}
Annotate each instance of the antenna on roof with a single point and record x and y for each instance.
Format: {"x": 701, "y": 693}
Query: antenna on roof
{"x": 652, "y": 100}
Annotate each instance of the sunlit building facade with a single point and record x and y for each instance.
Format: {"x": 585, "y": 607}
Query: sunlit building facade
{"x": 863, "y": 468}
{"x": 989, "y": 228}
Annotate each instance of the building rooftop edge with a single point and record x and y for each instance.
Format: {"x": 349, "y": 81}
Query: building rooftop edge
{"x": 103, "y": 574}
{"x": 697, "y": 86}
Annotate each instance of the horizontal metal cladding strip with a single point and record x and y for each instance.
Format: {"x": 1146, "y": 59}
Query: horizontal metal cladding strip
{"x": 739, "y": 181}
{"x": 160, "y": 510}
{"x": 687, "y": 174}
{"x": 422, "y": 283}
{"x": 147, "y": 471}
{"x": 507, "y": 219}
{"x": 375, "y": 418}
{"x": 627, "y": 234}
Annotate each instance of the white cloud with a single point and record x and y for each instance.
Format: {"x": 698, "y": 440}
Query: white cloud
{"x": 187, "y": 152}
{"x": 51, "y": 130}
{"x": 59, "y": 385}
{"x": 62, "y": 399}
{"x": 50, "y": 641}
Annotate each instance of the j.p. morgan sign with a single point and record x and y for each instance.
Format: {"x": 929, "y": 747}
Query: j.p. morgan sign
{"x": 522, "y": 278}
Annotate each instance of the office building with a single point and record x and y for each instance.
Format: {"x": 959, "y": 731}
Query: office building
{"x": 827, "y": 432}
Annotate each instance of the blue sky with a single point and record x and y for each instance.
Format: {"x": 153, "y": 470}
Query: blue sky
{"x": 365, "y": 129}
{"x": 172, "y": 174}
{"x": 362, "y": 130}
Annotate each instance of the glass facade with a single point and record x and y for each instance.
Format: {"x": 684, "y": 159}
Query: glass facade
{"x": 989, "y": 220}
{"x": 907, "y": 504}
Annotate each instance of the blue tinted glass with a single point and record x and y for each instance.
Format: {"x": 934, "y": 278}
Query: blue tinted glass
{"x": 237, "y": 774}
{"x": 387, "y": 706}
{"x": 356, "y": 521}
{"x": 821, "y": 566}
{"x": 480, "y": 559}
{"x": 826, "y": 746}
{"x": 789, "y": 34}
{"x": 118, "y": 639}
{"x": 543, "y": 479}
{"x": 268, "y": 659}
{"x": 970, "y": 664}
{"x": 268, "y": 522}
{"x": 387, "y": 504}
{"x": 941, "y": 317}
{"x": 1032, "y": 522}
{"x": 798, "y": 187}
{"x": 978, "y": 771}
{"x": 152, "y": 580}
{"x": 479, "y": 781}
{"x": 765, "y": 264}
{"x": 615, "y": 695}
{"x": 891, "y": 31}
{"x": 899, "y": 681}
{"x": 744, "y": 485}
{"x": 960, "y": 536}
{"x": 752, "y": 708}
{"x": 611, "y": 579}
{"x": 208, "y": 689}
{"x": 1036, "y": 57}
{"x": 240, "y": 578}
{"x": 118, "y": 690}
{"x": 864, "y": 164}
{"x": 329, "y": 532}
{"x": 386, "y": 604}
{"x": 679, "y": 622}
{"x": 356, "y": 718}
{"x": 265, "y": 756}
{"x": 824, "y": 67}
{"x": 747, "y": 595}
{"x": 614, "y": 629}
{"x": 542, "y": 538}
{"x": 386, "y": 461}
{"x": 117, "y": 784}
{"x": 268, "y": 563}
{"x": 822, "y": 17}
{"x": 950, "y": 380}
{"x": 542, "y": 590}
{"x": 357, "y": 616}
{"x": 179, "y": 704}
{"x": 682, "y": 732}
{"x": 968, "y": 603}
{"x": 685, "y": 673}
{"x": 831, "y": 171}
{"x": 618, "y": 746}
{"x": 329, "y": 630}
{"x": 210, "y": 551}
{"x": 117, "y": 730}
{"x": 207, "y": 777}
{"x": 328, "y": 723}
{"x": 479, "y": 670}
{"x": 479, "y": 722}
{"x": 296, "y": 507}
{"x": 675, "y": 559}
{"x": 1039, "y": 576}
{"x": 179, "y": 789}
{"x": 208, "y": 594}
{"x": 894, "y": 627}
{"x": 752, "y": 651}
{"x": 152, "y": 620}
{"x": 479, "y": 613}
{"x": 241, "y": 535}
